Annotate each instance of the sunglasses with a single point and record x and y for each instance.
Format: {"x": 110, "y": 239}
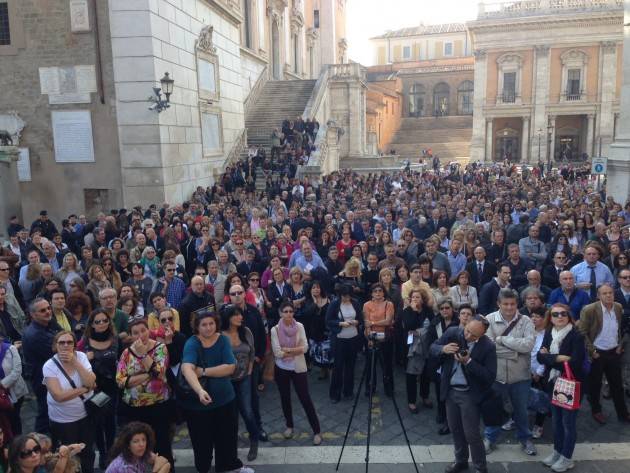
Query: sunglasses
{"x": 101, "y": 322}
{"x": 65, "y": 343}
{"x": 288, "y": 311}
{"x": 4, "y": 269}
{"x": 166, "y": 319}
{"x": 254, "y": 279}
{"x": 564, "y": 313}
{"x": 170, "y": 270}
{"x": 27, "y": 453}
{"x": 236, "y": 293}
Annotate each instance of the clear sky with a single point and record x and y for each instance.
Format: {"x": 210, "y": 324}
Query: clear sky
{"x": 368, "y": 18}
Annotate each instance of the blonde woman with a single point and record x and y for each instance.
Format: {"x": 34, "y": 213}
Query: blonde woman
{"x": 351, "y": 275}
{"x": 97, "y": 281}
{"x": 70, "y": 269}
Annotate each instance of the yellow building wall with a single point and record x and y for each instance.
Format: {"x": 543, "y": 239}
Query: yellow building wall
{"x": 492, "y": 78}
{"x": 381, "y": 55}
{"x": 527, "y": 76}
{"x": 386, "y": 111}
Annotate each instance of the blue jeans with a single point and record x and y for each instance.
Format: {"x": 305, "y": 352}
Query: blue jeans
{"x": 519, "y": 395}
{"x": 564, "y": 430}
{"x": 243, "y": 389}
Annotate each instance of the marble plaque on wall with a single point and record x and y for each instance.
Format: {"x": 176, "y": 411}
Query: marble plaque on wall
{"x": 79, "y": 16}
{"x": 72, "y": 84}
{"x": 24, "y": 165}
{"x": 72, "y": 136}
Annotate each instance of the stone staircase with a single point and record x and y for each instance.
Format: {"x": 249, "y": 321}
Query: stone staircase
{"x": 448, "y": 137}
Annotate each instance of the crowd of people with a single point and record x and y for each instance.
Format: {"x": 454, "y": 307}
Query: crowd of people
{"x": 483, "y": 282}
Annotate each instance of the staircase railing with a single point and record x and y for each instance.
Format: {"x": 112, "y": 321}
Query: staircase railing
{"x": 237, "y": 148}
{"x": 254, "y": 92}
{"x": 317, "y": 95}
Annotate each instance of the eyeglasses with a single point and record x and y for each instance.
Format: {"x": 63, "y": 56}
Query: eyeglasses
{"x": 564, "y": 313}
{"x": 27, "y": 453}
{"x": 101, "y": 322}
{"x": 44, "y": 310}
{"x": 4, "y": 269}
{"x": 236, "y": 293}
{"x": 200, "y": 274}
{"x": 166, "y": 319}
{"x": 170, "y": 270}
{"x": 288, "y": 311}
{"x": 624, "y": 277}
{"x": 66, "y": 343}
{"x": 254, "y": 279}
{"x": 215, "y": 243}
{"x": 445, "y": 307}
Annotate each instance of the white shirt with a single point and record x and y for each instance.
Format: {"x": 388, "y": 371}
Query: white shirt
{"x": 72, "y": 410}
{"x": 607, "y": 338}
{"x": 349, "y": 314}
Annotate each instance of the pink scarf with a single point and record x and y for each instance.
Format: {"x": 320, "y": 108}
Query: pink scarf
{"x": 288, "y": 334}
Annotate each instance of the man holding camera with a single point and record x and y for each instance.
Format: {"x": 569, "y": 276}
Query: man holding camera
{"x": 469, "y": 368}
{"x": 514, "y": 336}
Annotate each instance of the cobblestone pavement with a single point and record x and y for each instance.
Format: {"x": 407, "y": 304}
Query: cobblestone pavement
{"x": 386, "y": 430}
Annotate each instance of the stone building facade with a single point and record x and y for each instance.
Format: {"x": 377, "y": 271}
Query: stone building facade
{"x": 78, "y": 74}
{"x": 547, "y": 79}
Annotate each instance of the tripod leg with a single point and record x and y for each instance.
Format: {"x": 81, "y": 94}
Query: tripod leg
{"x": 415, "y": 465}
{"x": 372, "y": 353}
{"x": 354, "y": 407}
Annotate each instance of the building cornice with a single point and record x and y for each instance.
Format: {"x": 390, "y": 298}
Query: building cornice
{"x": 540, "y": 22}
{"x": 231, "y": 10}
{"x": 436, "y": 69}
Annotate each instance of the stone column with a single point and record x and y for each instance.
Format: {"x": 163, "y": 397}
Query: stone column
{"x": 540, "y": 96}
{"x": 552, "y": 140}
{"x": 525, "y": 155}
{"x": 618, "y": 174}
{"x": 478, "y": 143}
{"x": 489, "y": 141}
{"x": 589, "y": 134}
{"x": 9, "y": 188}
{"x": 606, "y": 117}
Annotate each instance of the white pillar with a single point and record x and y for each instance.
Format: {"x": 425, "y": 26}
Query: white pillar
{"x": 618, "y": 173}
{"x": 525, "y": 156}
{"x": 541, "y": 96}
{"x": 552, "y": 140}
{"x": 488, "y": 156}
{"x": 478, "y": 143}
{"x": 589, "y": 134}
{"x": 606, "y": 116}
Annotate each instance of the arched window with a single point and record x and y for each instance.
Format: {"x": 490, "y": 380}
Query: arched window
{"x": 465, "y": 98}
{"x": 416, "y": 100}
{"x": 441, "y": 99}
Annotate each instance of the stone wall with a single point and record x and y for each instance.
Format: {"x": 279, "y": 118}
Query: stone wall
{"x": 60, "y": 188}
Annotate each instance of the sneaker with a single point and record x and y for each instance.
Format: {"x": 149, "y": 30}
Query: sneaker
{"x": 563, "y": 464}
{"x": 243, "y": 469}
{"x": 509, "y": 425}
{"x": 317, "y": 439}
{"x": 489, "y": 446}
{"x": 529, "y": 448}
{"x": 537, "y": 432}
{"x": 288, "y": 433}
{"x": 551, "y": 459}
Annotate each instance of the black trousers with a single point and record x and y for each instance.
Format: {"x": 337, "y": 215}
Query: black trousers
{"x": 158, "y": 416}
{"x": 81, "y": 431}
{"x": 284, "y": 378}
{"x": 214, "y": 430}
{"x": 14, "y": 417}
{"x": 609, "y": 364}
{"x": 345, "y": 354}
{"x": 41, "y": 421}
{"x": 386, "y": 348}
{"x": 256, "y": 375}
{"x": 105, "y": 428}
{"x": 412, "y": 385}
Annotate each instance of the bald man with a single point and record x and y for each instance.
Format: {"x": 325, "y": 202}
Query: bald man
{"x": 198, "y": 298}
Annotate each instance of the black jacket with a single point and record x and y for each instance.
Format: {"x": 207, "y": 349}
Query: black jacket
{"x": 333, "y": 317}
{"x": 573, "y": 346}
{"x": 480, "y": 372}
{"x": 254, "y": 322}
{"x": 478, "y": 280}
{"x": 488, "y": 297}
{"x": 190, "y": 303}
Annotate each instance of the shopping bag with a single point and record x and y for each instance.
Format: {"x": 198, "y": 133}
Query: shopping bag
{"x": 566, "y": 390}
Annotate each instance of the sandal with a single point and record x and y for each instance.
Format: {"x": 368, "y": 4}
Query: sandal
{"x": 261, "y": 387}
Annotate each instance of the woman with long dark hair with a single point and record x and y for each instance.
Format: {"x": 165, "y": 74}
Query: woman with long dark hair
{"x": 100, "y": 344}
{"x": 242, "y": 343}
{"x": 314, "y": 316}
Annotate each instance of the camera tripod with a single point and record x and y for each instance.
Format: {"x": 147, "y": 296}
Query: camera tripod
{"x": 373, "y": 353}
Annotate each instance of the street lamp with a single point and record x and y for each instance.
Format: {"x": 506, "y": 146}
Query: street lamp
{"x": 549, "y": 133}
{"x": 539, "y": 133}
{"x": 159, "y": 104}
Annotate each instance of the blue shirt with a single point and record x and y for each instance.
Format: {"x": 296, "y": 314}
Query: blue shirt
{"x": 582, "y": 273}
{"x": 456, "y": 262}
{"x": 220, "y": 389}
{"x": 315, "y": 262}
{"x": 578, "y": 299}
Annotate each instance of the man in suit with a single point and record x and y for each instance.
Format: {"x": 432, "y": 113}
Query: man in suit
{"x": 570, "y": 295}
{"x": 551, "y": 273}
{"x": 497, "y": 250}
{"x": 481, "y": 270}
{"x": 469, "y": 368}
{"x": 435, "y": 222}
{"x": 490, "y": 291}
{"x": 622, "y": 296}
{"x": 600, "y": 323}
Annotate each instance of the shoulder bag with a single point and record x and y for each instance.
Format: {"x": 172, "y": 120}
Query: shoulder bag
{"x": 183, "y": 390}
{"x": 96, "y": 404}
{"x": 566, "y": 390}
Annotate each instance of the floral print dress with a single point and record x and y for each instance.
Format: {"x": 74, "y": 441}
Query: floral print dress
{"x": 156, "y": 390}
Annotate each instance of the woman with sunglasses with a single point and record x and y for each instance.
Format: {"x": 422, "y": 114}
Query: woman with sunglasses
{"x": 69, "y": 378}
{"x": 212, "y": 417}
{"x": 141, "y": 374}
{"x": 133, "y": 451}
{"x": 100, "y": 344}
{"x": 25, "y": 456}
{"x": 289, "y": 343}
{"x": 562, "y": 343}
{"x": 174, "y": 340}
{"x": 143, "y": 284}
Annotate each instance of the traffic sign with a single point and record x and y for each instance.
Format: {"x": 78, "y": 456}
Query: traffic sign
{"x": 599, "y": 165}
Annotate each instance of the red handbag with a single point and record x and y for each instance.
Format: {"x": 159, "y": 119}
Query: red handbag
{"x": 566, "y": 390}
{"x": 5, "y": 400}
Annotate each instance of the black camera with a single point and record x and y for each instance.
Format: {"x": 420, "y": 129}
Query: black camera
{"x": 376, "y": 336}
{"x": 463, "y": 351}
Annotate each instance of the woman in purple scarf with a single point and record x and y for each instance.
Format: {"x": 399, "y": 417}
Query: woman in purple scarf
{"x": 288, "y": 340}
